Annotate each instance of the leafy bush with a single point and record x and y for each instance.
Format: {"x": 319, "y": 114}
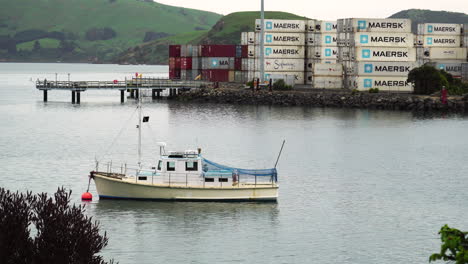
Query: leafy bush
{"x": 454, "y": 246}
{"x": 374, "y": 90}
{"x": 62, "y": 233}
{"x": 427, "y": 79}
{"x": 281, "y": 85}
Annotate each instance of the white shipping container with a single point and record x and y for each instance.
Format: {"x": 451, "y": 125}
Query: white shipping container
{"x": 325, "y": 69}
{"x": 251, "y": 51}
{"x": 278, "y": 25}
{"x": 465, "y": 41}
{"x": 379, "y": 39}
{"x": 326, "y": 27}
{"x": 454, "y": 68}
{"x": 327, "y": 61}
{"x": 325, "y": 39}
{"x": 286, "y": 52}
{"x": 244, "y": 38}
{"x": 324, "y": 82}
{"x": 442, "y": 53}
{"x": 384, "y": 54}
{"x": 251, "y": 38}
{"x": 310, "y": 25}
{"x": 439, "y": 41}
{"x": 290, "y": 78}
{"x": 439, "y": 29}
{"x": 322, "y": 52}
{"x": 282, "y": 65}
{"x": 389, "y": 25}
{"x": 281, "y": 39}
{"x": 383, "y": 83}
{"x": 380, "y": 68}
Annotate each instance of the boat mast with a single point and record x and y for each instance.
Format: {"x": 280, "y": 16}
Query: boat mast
{"x": 139, "y": 124}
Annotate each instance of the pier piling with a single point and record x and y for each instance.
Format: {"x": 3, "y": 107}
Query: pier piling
{"x": 73, "y": 97}
{"x": 137, "y": 93}
{"x": 153, "y": 93}
{"x": 45, "y": 95}
{"x": 78, "y": 97}
{"x": 122, "y": 96}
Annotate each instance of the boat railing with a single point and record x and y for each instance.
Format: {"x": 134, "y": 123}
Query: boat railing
{"x": 152, "y": 176}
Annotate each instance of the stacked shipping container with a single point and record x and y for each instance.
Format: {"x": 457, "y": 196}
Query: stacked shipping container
{"x": 322, "y": 69}
{"x": 376, "y": 53}
{"x": 216, "y": 63}
{"x": 441, "y": 46}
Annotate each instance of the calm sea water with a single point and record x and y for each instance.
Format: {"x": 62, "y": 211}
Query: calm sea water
{"x": 357, "y": 186}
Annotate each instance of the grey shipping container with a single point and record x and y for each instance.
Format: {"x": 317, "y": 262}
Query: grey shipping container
{"x": 464, "y": 72}
{"x": 218, "y": 63}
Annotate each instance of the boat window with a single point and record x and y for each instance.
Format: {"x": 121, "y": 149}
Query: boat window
{"x": 191, "y": 165}
{"x": 159, "y": 165}
{"x": 209, "y": 179}
{"x": 223, "y": 180}
{"x": 171, "y": 165}
{"x": 142, "y": 178}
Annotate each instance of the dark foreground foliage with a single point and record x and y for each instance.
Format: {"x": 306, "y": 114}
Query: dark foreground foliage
{"x": 38, "y": 229}
{"x": 454, "y": 248}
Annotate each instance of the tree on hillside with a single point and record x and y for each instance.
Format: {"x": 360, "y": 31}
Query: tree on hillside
{"x": 62, "y": 232}
{"x": 454, "y": 246}
{"x": 427, "y": 79}
{"x": 37, "y": 46}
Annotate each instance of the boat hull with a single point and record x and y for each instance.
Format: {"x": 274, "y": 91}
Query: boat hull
{"x": 113, "y": 188}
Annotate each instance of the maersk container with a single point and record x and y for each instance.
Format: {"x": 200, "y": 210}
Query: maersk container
{"x": 218, "y": 50}
{"x": 251, "y": 38}
{"x": 454, "y": 68}
{"x": 290, "y": 78}
{"x": 389, "y": 25}
{"x": 186, "y": 63}
{"x": 278, "y": 25}
{"x": 221, "y": 63}
{"x": 310, "y": 25}
{"x": 322, "y": 52}
{"x": 325, "y": 39}
{"x": 439, "y": 41}
{"x": 174, "y": 50}
{"x": 324, "y": 69}
{"x": 326, "y": 27}
{"x": 281, "y": 39}
{"x": 324, "y": 82}
{"x": 368, "y": 68}
{"x": 280, "y": 52}
{"x": 244, "y": 38}
{"x": 439, "y": 29}
{"x": 383, "y": 54}
{"x": 442, "y": 53}
{"x": 282, "y": 65}
{"x": 383, "y": 83}
{"x": 251, "y": 51}
{"x": 380, "y": 39}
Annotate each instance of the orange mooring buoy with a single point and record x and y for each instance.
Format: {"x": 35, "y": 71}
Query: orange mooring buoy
{"x": 86, "y": 196}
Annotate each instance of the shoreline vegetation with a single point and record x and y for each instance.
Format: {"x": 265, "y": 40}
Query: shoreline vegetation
{"x": 328, "y": 98}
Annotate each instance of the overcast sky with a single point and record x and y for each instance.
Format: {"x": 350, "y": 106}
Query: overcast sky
{"x": 324, "y": 9}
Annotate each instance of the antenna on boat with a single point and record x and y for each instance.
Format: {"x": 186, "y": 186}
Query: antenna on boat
{"x": 139, "y": 124}
{"x": 279, "y": 155}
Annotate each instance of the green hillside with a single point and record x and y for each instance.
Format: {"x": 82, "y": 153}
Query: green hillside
{"x": 419, "y": 16}
{"x": 226, "y": 31}
{"x": 89, "y": 29}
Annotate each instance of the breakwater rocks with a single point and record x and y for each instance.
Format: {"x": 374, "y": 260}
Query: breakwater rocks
{"x": 326, "y": 98}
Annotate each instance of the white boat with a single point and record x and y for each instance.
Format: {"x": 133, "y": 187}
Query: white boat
{"x": 185, "y": 175}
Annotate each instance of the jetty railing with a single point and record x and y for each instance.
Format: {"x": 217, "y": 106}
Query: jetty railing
{"x": 153, "y": 177}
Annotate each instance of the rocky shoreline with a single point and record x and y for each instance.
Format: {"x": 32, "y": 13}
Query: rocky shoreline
{"x": 327, "y": 98}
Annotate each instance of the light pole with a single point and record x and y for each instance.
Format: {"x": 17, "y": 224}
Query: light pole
{"x": 262, "y": 43}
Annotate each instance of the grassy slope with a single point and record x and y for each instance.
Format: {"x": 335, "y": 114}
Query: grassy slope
{"x": 131, "y": 19}
{"x": 226, "y": 31}
{"x": 418, "y": 16}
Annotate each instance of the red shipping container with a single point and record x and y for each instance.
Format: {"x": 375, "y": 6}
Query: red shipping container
{"x": 174, "y": 74}
{"x": 178, "y": 62}
{"x": 186, "y": 63}
{"x": 245, "y": 51}
{"x": 215, "y": 75}
{"x": 218, "y": 51}
{"x": 238, "y": 64}
{"x": 171, "y": 63}
{"x": 174, "y": 50}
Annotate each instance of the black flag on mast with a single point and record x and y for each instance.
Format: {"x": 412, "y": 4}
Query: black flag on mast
{"x": 145, "y": 119}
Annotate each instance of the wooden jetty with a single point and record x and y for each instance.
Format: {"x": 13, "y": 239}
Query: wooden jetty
{"x": 133, "y": 86}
